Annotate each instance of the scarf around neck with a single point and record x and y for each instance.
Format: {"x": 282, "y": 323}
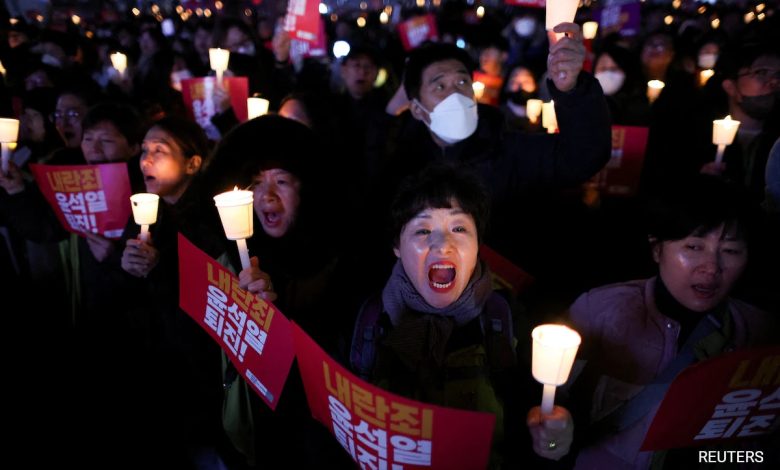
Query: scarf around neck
{"x": 400, "y": 297}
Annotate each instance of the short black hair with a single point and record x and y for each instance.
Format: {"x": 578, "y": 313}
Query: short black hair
{"x": 419, "y": 59}
{"x": 438, "y": 186}
{"x": 123, "y": 117}
{"x": 738, "y": 57}
{"x": 363, "y": 51}
{"x": 697, "y": 205}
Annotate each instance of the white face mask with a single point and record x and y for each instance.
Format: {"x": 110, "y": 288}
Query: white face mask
{"x": 707, "y": 61}
{"x": 525, "y": 27}
{"x": 454, "y": 118}
{"x": 246, "y": 49}
{"x": 611, "y": 81}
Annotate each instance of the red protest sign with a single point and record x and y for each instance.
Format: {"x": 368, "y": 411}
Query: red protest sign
{"x": 741, "y": 399}
{"x": 303, "y": 20}
{"x": 87, "y": 198}
{"x": 255, "y": 335}
{"x": 417, "y": 30}
{"x": 383, "y": 430}
{"x": 302, "y": 49}
{"x": 198, "y": 95}
{"x": 505, "y": 273}
{"x": 620, "y": 176}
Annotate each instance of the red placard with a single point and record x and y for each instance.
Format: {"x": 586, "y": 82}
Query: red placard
{"x": 741, "y": 399}
{"x": 302, "y": 49}
{"x": 383, "y": 430}
{"x": 303, "y": 20}
{"x": 620, "y": 177}
{"x": 506, "y": 274}
{"x": 417, "y": 30}
{"x": 87, "y": 198}
{"x": 252, "y": 332}
{"x": 198, "y": 95}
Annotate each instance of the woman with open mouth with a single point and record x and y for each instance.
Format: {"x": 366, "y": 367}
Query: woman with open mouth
{"x": 646, "y": 331}
{"x": 439, "y": 333}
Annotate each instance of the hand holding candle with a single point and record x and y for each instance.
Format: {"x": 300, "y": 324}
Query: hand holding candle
{"x": 9, "y": 132}
{"x": 218, "y": 59}
{"x": 235, "y": 211}
{"x": 723, "y": 133}
{"x": 145, "y": 211}
{"x": 554, "y": 349}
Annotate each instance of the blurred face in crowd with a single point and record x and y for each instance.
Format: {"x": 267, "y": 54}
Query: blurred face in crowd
{"x": 237, "y": 41}
{"x": 657, "y": 54}
{"x": 521, "y": 79}
{"x": 37, "y": 79}
{"x": 756, "y": 88}
{"x": 16, "y": 39}
{"x": 277, "y": 196}
{"x": 491, "y": 61}
{"x": 67, "y": 118}
{"x": 167, "y": 171}
{"x": 31, "y": 126}
{"x": 103, "y": 143}
{"x": 440, "y": 80}
{"x": 438, "y": 250}
{"x": 147, "y": 44}
{"x": 700, "y": 269}
{"x": 202, "y": 41}
{"x": 359, "y": 74}
{"x": 295, "y": 110}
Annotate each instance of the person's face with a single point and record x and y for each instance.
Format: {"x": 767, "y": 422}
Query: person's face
{"x": 202, "y": 41}
{"x": 16, "y": 39}
{"x": 294, "y": 109}
{"x": 277, "y": 197}
{"x": 166, "y": 170}
{"x": 103, "y": 143}
{"x": 359, "y": 74}
{"x": 440, "y": 80}
{"x": 657, "y": 52}
{"x": 67, "y": 117}
{"x": 438, "y": 251}
{"x": 522, "y": 79}
{"x": 605, "y": 63}
{"x": 491, "y": 61}
{"x": 761, "y": 78}
{"x": 32, "y": 126}
{"x": 700, "y": 271}
{"x": 37, "y": 79}
{"x": 236, "y": 40}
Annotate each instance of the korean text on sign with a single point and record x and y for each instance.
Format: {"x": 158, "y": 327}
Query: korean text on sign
{"x": 237, "y": 316}
{"x": 378, "y": 433}
{"x": 80, "y": 196}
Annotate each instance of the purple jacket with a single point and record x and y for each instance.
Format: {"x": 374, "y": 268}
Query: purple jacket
{"x": 630, "y": 342}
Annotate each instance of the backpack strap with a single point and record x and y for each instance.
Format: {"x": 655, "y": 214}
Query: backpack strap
{"x": 496, "y": 321}
{"x": 365, "y": 337}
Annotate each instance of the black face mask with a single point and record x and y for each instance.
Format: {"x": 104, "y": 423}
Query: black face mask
{"x": 759, "y": 107}
{"x": 520, "y": 97}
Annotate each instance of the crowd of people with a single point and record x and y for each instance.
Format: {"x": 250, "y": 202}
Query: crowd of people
{"x": 377, "y": 177}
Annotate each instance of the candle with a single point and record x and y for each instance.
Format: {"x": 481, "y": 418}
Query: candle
{"x": 235, "y": 211}
{"x": 144, "y": 211}
{"x": 723, "y": 133}
{"x": 479, "y": 89}
{"x": 654, "y": 88}
{"x": 256, "y": 107}
{"x": 554, "y": 349}
{"x": 549, "y": 121}
{"x": 560, "y": 11}
{"x": 589, "y": 29}
{"x": 219, "y": 58}
{"x": 705, "y": 75}
{"x": 119, "y": 61}
{"x": 9, "y": 132}
{"x": 533, "y": 109}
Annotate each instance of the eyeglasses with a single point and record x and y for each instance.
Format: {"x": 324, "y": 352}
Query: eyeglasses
{"x": 70, "y": 115}
{"x": 763, "y": 75}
